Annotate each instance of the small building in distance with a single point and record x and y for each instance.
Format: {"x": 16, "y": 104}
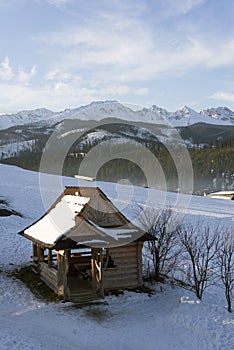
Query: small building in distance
{"x": 222, "y": 195}
{"x": 84, "y": 246}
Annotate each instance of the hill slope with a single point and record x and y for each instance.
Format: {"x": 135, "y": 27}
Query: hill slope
{"x": 172, "y": 318}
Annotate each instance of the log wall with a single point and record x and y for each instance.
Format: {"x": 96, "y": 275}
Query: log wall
{"x": 128, "y": 270}
{"x": 49, "y": 275}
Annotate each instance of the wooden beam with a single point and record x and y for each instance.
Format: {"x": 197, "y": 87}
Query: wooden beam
{"x": 66, "y": 264}
{"x": 93, "y": 268}
{"x": 40, "y": 253}
{"x": 101, "y": 273}
{"x": 34, "y": 247}
{"x": 50, "y": 257}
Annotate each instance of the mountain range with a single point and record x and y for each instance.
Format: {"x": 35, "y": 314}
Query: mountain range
{"x": 183, "y": 117}
{"x": 27, "y": 129}
{"x": 24, "y": 137}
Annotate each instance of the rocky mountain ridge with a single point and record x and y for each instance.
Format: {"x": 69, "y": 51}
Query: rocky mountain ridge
{"x": 183, "y": 117}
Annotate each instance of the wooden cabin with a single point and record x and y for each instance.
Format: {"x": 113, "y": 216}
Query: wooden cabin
{"x": 84, "y": 246}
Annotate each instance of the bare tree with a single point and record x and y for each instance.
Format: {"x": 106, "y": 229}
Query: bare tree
{"x": 226, "y": 264}
{"x": 201, "y": 247}
{"x": 164, "y": 249}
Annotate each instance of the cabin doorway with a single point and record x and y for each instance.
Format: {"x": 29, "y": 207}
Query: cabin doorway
{"x": 85, "y": 272}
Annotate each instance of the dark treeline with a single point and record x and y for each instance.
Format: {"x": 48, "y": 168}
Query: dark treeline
{"x": 213, "y": 164}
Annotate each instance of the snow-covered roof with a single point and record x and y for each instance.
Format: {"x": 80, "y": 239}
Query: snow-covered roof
{"x": 73, "y": 220}
{"x": 222, "y": 194}
{"x": 59, "y": 220}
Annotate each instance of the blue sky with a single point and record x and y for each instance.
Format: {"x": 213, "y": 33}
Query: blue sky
{"x": 67, "y": 53}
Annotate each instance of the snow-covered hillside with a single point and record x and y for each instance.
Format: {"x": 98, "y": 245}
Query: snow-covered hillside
{"x": 25, "y": 117}
{"x": 113, "y": 109}
{"x": 172, "y": 318}
{"x": 216, "y": 116}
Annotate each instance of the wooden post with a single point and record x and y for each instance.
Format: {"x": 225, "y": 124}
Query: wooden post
{"x": 66, "y": 261}
{"x": 35, "y": 259}
{"x": 49, "y": 257}
{"x": 60, "y": 274}
{"x": 96, "y": 264}
{"x": 34, "y": 250}
{"x": 93, "y": 268}
{"x": 40, "y": 253}
{"x": 100, "y": 273}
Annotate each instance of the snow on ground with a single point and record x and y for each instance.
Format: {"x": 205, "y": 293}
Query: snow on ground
{"x": 172, "y": 318}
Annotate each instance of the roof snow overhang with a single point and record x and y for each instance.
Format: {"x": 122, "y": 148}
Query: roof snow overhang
{"x": 64, "y": 226}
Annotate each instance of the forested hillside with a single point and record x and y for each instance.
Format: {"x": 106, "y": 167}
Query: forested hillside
{"x": 213, "y": 164}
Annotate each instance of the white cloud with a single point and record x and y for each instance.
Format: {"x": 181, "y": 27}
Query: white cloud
{"x": 15, "y": 97}
{"x": 223, "y": 96}
{"x": 61, "y": 86}
{"x": 25, "y": 77}
{"x": 57, "y": 75}
{"x": 180, "y": 7}
{"x": 113, "y": 54}
{"x": 58, "y": 2}
{"x": 116, "y": 48}
{"x": 6, "y": 72}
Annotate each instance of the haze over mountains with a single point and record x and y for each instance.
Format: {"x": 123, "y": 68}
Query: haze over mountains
{"x": 185, "y": 116}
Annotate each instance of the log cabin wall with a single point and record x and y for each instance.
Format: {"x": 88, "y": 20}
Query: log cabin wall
{"x": 128, "y": 270}
{"x": 49, "y": 275}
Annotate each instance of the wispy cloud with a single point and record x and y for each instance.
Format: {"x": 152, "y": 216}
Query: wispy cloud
{"x": 118, "y": 49}
{"x": 58, "y": 2}
{"x": 126, "y": 49}
{"x": 25, "y": 77}
{"x": 179, "y": 7}
{"x": 223, "y": 96}
{"x": 6, "y": 72}
{"x": 114, "y": 56}
{"x": 20, "y": 75}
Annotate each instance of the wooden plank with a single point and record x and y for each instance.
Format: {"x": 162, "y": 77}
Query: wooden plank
{"x": 49, "y": 284}
{"x": 49, "y": 280}
{"x": 119, "y": 277}
{"x": 50, "y": 277}
{"x": 123, "y": 252}
{"x": 130, "y": 279}
{"x": 139, "y": 261}
{"x": 124, "y": 257}
{"x": 125, "y": 260}
{"x": 47, "y": 275}
{"x": 46, "y": 269}
{"x": 122, "y": 284}
{"x": 123, "y": 248}
{"x": 123, "y": 273}
{"x": 123, "y": 269}
{"x": 110, "y": 279}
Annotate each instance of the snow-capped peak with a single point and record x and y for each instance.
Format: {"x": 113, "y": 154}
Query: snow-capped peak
{"x": 24, "y": 117}
{"x": 220, "y": 113}
{"x": 184, "y": 116}
{"x": 113, "y": 109}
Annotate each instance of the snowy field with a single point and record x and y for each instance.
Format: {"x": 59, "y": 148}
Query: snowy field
{"x": 172, "y": 318}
